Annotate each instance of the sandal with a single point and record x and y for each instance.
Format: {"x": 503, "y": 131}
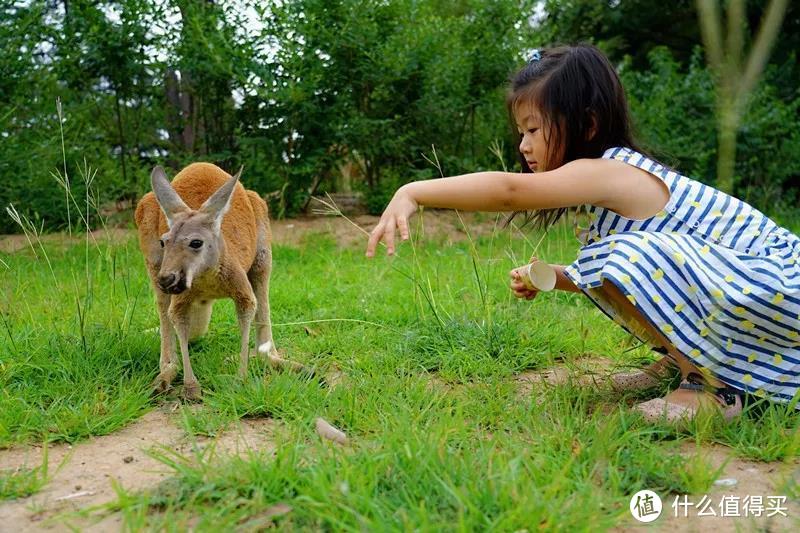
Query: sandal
{"x": 639, "y": 380}
{"x": 659, "y": 409}
{"x": 635, "y": 381}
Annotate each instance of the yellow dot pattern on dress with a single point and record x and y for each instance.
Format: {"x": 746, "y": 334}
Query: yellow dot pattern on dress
{"x": 715, "y": 307}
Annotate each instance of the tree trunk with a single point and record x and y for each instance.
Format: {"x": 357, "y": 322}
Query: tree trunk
{"x": 121, "y": 132}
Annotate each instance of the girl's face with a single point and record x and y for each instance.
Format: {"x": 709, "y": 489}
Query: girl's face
{"x": 533, "y": 144}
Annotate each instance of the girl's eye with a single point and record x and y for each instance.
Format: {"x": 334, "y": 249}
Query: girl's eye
{"x": 197, "y": 243}
{"x": 533, "y": 130}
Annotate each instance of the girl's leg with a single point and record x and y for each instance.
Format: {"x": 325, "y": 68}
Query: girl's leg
{"x": 628, "y": 311}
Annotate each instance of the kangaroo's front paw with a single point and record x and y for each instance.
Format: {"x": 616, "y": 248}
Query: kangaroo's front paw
{"x": 192, "y": 391}
{"x": 164, "y": 379}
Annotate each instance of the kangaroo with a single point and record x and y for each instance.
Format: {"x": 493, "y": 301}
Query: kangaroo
{"x": 205, "y": 237}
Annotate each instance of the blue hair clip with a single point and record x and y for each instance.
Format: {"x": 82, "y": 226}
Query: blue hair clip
{"x": 536, "y": 55}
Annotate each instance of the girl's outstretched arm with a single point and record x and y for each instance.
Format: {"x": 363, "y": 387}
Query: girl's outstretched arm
{"x": 575, "y": 183}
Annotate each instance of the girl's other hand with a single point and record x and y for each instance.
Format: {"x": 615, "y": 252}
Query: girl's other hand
{"x": 394, "y": 217}
{"x": 518, "y": 288}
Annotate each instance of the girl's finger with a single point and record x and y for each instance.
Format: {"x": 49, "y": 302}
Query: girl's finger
{"x": 402, "y": 223}
{"x": 374, "y": 239}
{"x": 517, "y": 286}
{"x": 388, "y": 235}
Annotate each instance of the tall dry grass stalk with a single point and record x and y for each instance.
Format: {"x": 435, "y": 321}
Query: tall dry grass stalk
{"x": 736, "y": 74}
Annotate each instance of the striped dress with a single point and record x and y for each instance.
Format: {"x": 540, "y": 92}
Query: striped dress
{"x": 717, "y": 277}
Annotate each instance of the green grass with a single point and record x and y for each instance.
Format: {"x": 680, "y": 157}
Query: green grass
{"x": 22, "y": 482}
{"x": 428, "y": 343}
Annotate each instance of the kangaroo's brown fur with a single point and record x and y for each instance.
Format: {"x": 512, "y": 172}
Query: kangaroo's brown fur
{"x": 233, "y": 260}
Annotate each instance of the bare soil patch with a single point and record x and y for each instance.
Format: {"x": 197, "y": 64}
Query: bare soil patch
{"x": 90, "y": 468}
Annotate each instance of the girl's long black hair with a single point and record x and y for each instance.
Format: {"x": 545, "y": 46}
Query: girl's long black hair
{"x": 575, "y": 89}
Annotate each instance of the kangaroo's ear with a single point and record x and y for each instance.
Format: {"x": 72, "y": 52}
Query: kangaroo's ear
{"x": 167, "y": 198}
{"x": 219, "y": 202}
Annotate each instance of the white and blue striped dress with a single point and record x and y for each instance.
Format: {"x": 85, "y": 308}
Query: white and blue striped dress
{"x": 717, "y": 277}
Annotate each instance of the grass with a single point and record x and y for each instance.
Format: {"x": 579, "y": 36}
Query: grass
{"x": 22, "y": 482}
{"x": 428, "y": 343}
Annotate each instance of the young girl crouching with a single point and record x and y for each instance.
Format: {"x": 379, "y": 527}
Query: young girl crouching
{"x": 701, "y": 276}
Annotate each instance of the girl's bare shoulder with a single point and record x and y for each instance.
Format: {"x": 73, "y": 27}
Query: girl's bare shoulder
{"x": 629, "y": 190}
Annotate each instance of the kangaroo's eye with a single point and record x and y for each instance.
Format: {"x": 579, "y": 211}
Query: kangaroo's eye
{"x": 161, "y": 242}
{"x": 197, "y": 243}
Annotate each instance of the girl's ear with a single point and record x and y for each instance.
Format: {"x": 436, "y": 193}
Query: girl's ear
{"x": 593, "y": 128}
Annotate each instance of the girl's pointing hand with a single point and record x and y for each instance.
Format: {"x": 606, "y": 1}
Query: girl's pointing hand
{"x": 394, "y": 217}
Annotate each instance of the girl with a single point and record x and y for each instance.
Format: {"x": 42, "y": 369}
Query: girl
{"x": 699, "y": 275}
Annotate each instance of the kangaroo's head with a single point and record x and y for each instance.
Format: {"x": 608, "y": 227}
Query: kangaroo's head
{"x": 193, "y": 242}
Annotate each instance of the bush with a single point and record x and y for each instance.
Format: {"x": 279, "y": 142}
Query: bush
{"x": 673, "y": 111}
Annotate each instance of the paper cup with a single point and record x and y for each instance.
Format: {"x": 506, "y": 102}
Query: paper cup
{"x": 538, "y": 276}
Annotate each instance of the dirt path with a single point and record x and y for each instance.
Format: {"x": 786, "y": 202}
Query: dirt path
{"x": 90, "y": 467}
{"x": 752, "y": 479}
{"x": 294, "y": 231}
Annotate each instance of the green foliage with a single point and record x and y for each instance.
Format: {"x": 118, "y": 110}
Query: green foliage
{"x": 293, "y": 90}
{"x": 672, "y": 108}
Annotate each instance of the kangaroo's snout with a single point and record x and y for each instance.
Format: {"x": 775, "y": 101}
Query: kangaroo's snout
{"x": 172, "y": 282}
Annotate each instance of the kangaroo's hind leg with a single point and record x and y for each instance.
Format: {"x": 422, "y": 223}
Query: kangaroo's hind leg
{"x": 259, "y": 279}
